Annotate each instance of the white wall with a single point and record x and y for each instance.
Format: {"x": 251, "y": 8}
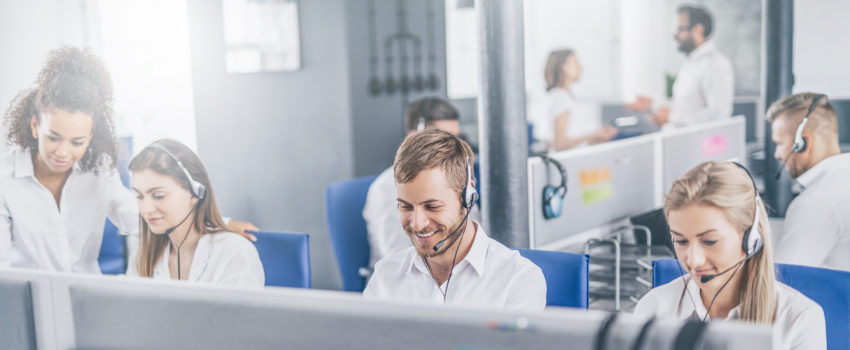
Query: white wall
{"x": 28, "y": 31}
{"x": 821, "y": 47}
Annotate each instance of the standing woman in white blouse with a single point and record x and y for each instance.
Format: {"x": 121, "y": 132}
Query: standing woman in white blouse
{"x": 59, "y": 183}
{"x": 563, "y": 126}
{"x": 722, "y": 238}
{"x": 183, "y": 236}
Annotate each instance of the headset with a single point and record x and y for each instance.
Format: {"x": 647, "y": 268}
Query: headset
{"x": 469, "y": 194}
{"x": 197, "y": 189}
{"x": 553, "y": 196}
{"x": 752, "y": 244}
{"x": 800, "y": 141}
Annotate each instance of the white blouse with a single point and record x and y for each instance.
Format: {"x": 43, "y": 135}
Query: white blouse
{"x": 35, "y": 233}
{"x": 583, "y": 118}
{"x": 223, "y": 258}
{"x": 799, "y": 324}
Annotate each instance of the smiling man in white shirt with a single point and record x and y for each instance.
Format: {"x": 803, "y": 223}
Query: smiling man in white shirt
{"x": 816, "y": 231}
{"x": 384, "y": 233}
{"x": 704, "y": 88}
{"x": 452, "y": 260}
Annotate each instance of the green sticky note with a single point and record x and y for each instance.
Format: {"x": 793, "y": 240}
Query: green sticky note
{"x": 596, "y": 194}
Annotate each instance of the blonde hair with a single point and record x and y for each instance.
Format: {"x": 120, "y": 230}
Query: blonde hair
{"x": 823, "y": 120}
{"x": 553, "y": 72}
{"x": 729, "y": 188}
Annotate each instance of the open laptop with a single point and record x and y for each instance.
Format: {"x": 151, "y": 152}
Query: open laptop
{"x": 629, "y": 123}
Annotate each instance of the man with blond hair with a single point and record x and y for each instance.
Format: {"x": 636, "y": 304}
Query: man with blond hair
{"x": 816, "y": 231}
{"x": 452, "y": 260}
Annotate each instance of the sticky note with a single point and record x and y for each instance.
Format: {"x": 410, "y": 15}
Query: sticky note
{"x": 596, "y": 194}
{"x": 714, "y": 145}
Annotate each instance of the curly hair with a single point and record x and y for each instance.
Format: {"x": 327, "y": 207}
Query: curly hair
{"x": 74, "y": 80}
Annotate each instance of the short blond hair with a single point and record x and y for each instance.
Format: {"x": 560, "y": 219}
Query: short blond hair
{"x": 433, "y": 148}
{"x": 823, "y": 120}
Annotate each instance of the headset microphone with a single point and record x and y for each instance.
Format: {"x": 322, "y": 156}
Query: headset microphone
{"x": 468, "y": 198}
{"x": 170, "y": 230}
{"x": 707, "y": 278}
{"x": 457, "y": 229}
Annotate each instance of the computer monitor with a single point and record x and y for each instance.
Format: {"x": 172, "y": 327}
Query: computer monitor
{"x": 685, "y": 148}
{"x": 136, "y": 316}
{"x": 17, "y": 324}
{"x": 606, "y": 182}
{"x": 749, "y": 109}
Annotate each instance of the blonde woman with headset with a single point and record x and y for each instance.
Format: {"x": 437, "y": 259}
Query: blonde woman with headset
{"x": 721, "y": 236}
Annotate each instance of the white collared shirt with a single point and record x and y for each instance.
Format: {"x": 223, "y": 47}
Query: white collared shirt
{"x": 816, "y": 231}
{"x": 583, "y": 120}
{"x": 489, "y": 275}
{"x": 36, "y": 234}
{"x": 223, "y": 258}
{"x": 704, "y": 88}
{"x": 383, "y": 224}
{"x": 799, "y": 324}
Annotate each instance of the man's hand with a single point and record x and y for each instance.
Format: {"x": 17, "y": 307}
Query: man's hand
{"x": 641, "y": 104}
{"x": 661, "y": 116}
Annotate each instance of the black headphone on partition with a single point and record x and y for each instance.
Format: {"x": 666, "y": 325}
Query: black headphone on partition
{"x": 197, "y": 189}
{"x": 553, "y": 196}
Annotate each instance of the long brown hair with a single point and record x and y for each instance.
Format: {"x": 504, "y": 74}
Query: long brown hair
{"x": 207, "y": 217}
{"x": 729, "y": 188}
{"x": 554, "y": 71}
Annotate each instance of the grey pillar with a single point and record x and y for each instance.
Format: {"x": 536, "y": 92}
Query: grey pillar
{"x": 779, "y": 44}
{"x": 501, "y": 122}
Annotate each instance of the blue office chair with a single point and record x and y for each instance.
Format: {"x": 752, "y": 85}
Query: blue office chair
{"x": 566, "y": 276}
{"x": 829, "y": 288}
{"x": 112, "y": 258}
{"x": 344, "y": 202}
{"x": 285, "y": 257}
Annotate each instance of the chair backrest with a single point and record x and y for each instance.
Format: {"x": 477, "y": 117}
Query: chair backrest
{"x": 829, "y": 288}
{"x": 112, "y": 258}
{"x": 344, "y": 203}
{"x": 285, "y": 257}
{"x": 566, "y": 276}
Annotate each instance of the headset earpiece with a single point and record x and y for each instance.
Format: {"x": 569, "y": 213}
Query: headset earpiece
{"x": 553, "y": 196}
{"x": 197, "y": 189}
{"x": 800, "y": 142}
{"x": 469, "y": 194}
{"x": 752, "y": 242}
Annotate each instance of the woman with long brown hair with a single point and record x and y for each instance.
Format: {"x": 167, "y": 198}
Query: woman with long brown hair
{"x": 564, "y": 125}
{"x": 183, "y": 236}
{"x": 721, "y": 236}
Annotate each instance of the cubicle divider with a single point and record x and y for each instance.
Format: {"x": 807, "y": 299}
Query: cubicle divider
{"x": 101, "y": 312}
{"x": 609, "y": 182}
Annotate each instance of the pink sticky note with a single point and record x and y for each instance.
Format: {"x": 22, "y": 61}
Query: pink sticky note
{"x": 714, "y": 145}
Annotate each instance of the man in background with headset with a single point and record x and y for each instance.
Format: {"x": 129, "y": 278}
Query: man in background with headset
{"x": 385, "y": 235}
{"x": 816, "y": 231}
{"x": 452, "y": 260}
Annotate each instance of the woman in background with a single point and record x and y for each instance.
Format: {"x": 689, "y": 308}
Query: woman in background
{"x": 562, "y": 127}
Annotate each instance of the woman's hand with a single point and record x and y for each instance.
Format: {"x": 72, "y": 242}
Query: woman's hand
{"x": 242, "y": 228}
